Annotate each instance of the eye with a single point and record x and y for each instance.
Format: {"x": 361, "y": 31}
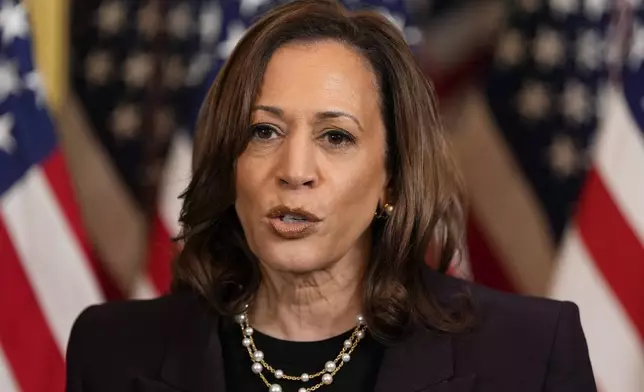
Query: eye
{"x": 338, "y": 138}
{"x": 263, "y": 132}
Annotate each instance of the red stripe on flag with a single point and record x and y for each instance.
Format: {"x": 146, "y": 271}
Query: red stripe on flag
{"x": 56, "y": 173}
{"x": 614, "y": 247}
{"x": 485, "y": 265}
{"x": 160, "y": 255}
{"x": 34, "y": 358}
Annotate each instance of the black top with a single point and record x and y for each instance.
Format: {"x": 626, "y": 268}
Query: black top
{"x": 172, "y": 344}
{"x": 295, "y": 358}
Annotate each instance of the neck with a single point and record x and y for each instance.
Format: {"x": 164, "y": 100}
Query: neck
{"x": 311, "y": 306}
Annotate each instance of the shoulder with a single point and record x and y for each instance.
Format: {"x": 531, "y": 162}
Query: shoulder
{"x": 519, "y": 339}
{"x": 501, "y": 310}
{"x": 520, "y": 321}
{"x": 121, "y": 335}
{"x": 132, "y": 319}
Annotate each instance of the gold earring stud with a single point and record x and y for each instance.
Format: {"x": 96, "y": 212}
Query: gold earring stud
{"x": 385, "y": 211}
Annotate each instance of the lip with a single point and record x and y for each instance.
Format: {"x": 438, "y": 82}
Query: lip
{"x": 292, "y": 230}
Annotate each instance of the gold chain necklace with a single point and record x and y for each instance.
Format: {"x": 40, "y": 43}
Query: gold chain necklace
{"x": 330, "y": 367}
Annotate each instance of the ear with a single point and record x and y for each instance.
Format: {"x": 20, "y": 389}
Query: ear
{"x": 386, "y": 196}
{"x": 386, "y": 193}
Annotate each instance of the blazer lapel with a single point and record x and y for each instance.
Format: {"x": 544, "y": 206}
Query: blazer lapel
{"x": 425, "y": 360}
{"x": 422, "y": 362}
{"x": 193, "y": 358}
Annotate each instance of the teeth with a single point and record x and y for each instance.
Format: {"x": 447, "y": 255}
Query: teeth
{"x": 289, "y": 218}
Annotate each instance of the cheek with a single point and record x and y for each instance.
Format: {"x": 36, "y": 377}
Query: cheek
{"x": 358, "y": 190}
{"x": 247, "y": 186}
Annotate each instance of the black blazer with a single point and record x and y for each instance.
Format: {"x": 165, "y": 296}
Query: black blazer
{"x": 171, "y": 344}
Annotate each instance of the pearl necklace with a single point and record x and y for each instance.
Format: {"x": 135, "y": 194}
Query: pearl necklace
{"x": 330, "y": 367}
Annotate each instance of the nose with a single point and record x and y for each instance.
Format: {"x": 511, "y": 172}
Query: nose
{"x": 297, "y": 167}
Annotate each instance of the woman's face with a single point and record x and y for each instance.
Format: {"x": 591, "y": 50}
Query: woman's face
{"x": 312, "y": 176}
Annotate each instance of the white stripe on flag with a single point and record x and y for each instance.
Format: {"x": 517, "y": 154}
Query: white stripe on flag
{"x": 615, "y": 349}
{"x": 177, "y": 175}
{"x": 620, "y": 159}
{"x": 50, "y": 253}
{"x": 7, "y": 383}
{"x": 143, "y": 288}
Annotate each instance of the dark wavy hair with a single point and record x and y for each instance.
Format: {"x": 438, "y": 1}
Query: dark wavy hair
{"x": 215, "y": 259}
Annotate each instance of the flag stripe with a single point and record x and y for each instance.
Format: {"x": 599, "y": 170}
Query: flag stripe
{"x": 55, "y": 170}
{"x": 25, "y": 336}
{"x": 503, "y": 202}
{"x": 56, "y": 173}
{"x": 7, "y": 383}
{"x": 613, "y": 246}
{"x": 485, "y": 265}
{"x": 615, "y": 348}
{"x": 160, "y": 256}
{"x": 621, "y": 152}
{"x": 175, "y": 179}
{"x": 117, "y": 228}
{"x": 143, "y": 288}
{"x": 51, "y": 256}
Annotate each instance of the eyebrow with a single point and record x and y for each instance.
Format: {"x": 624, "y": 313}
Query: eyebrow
{"x": 336, "y": 114}
{"x": 271, "y": 109}
{"x": 319, "y": 116}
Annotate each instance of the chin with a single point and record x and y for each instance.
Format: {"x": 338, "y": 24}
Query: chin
{"x": 295, "y": 256}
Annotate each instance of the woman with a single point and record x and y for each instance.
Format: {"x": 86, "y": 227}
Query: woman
{"x": 321, "y": 180}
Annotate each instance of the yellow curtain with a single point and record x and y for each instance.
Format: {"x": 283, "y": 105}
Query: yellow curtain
{"x": 50, "y": 29}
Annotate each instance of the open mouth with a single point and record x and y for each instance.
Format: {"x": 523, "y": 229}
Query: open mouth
{"x": 293, "y": 215}
{"x": 292, "y": 223}
{"x": 292, "y": 218}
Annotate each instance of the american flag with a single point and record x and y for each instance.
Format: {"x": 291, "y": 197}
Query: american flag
{"x": 541, "y": 94}
{"x": 46, "y": 274}
{"x": 552, "y": 149}
{"x": 601, "y": 265}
